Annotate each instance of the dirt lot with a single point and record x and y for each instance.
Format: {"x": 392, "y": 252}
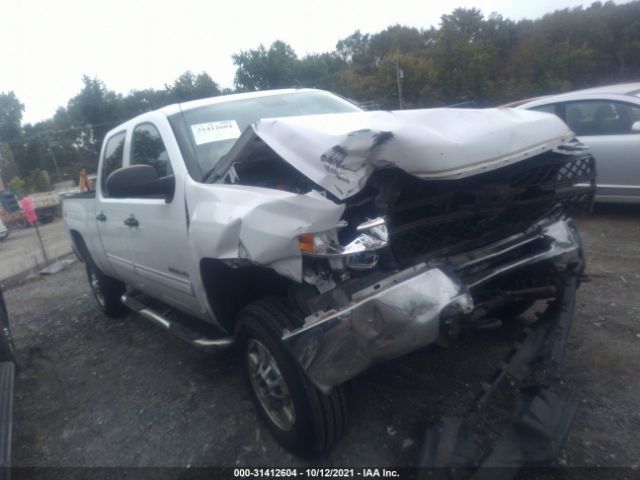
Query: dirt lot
{"x": 95, "y": 391}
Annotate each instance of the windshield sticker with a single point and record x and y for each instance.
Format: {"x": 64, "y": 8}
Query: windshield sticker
{"x": 215, "y": 131}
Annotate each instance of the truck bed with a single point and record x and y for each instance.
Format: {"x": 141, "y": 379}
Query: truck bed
{"x": 79, "y": 213}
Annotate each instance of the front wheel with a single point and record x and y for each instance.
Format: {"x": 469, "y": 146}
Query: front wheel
{"x": 106, "y": 290}
{"x": 300, "y": 417}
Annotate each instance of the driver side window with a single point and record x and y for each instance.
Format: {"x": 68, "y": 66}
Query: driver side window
{"x": 147, "y": 148}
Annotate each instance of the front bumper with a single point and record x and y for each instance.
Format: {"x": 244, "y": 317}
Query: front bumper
{"x": 406, "y": 311}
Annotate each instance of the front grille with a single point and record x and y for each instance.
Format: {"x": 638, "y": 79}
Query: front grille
{"x": 431, "y": 218}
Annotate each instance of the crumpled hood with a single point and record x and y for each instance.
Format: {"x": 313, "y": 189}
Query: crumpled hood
{"x": 340, "y": 151}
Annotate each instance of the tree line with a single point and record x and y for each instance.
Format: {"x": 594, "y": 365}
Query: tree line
{"x": 467, "y": 58}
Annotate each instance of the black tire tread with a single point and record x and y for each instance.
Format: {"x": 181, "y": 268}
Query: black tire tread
{"x": 330, "y": 411}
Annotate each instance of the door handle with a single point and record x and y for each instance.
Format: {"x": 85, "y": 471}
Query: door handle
{"x": 101, "y": 217}
{"x": 131, "y": 222}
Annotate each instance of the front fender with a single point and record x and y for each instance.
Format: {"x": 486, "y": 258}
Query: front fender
{"x": 233, "y": 222}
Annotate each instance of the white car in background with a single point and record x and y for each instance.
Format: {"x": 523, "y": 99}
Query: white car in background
{"x": 607, "y": 119}
{"x": 4, "y": 231}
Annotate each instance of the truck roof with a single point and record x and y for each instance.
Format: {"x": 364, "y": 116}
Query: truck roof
{"x": 177, "y": 107}
{"x": 171, "y": 109}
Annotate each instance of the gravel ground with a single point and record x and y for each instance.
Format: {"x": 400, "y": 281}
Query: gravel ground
{"x": 94, "y": 391}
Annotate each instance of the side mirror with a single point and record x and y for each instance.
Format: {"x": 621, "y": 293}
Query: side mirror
{"x": 635, "y": 127}
{"x": 140, "y": 181}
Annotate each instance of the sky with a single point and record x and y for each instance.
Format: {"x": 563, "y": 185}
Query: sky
{"x": 46, "y": 46}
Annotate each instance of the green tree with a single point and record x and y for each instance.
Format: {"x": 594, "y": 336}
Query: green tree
{"x": 318, "y": 71}
{"x": 8, "y": 166}
{"x": 38, "y": 181}
{"x": 189, "y": 86}
{"x": 10, "y": 116}
{"x": 262, "y": 69}
{"x": 94, "y": 111}
{"x": 468, "y": 53}
{"x": 137, "y": 102}
{"x": 397, "y": 38}
{"x": 11, "y": 136}
{"x": 355, "y": 50}
{"x": 18, "y": 186}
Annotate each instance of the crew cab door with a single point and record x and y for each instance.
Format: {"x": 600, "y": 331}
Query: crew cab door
{"x": 114, "y": 234}
{"x": 159, "y": 225}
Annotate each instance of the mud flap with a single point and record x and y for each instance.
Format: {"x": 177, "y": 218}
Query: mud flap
{"x": 540, "y": 425}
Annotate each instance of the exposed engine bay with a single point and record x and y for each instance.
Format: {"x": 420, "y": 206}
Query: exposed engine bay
{"x": 267, "y": 170}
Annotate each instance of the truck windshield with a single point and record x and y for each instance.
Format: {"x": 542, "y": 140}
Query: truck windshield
{"x": 205, "y": 134}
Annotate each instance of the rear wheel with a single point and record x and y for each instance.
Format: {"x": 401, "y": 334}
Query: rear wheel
{"x": 299, "y": 416}
{"x": 106, "y": 290}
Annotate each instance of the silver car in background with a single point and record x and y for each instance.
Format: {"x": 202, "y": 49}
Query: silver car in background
{"x": 607, "y": 119}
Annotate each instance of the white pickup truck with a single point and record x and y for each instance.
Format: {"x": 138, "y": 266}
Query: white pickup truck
{"x": 319, "y": 238}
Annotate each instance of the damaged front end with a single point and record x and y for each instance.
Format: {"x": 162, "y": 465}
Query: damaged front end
{"x": 427, "y": 260}
{"x": 415, "y": 261}
{"x": 396, "y": 230}
{"x": 377, "y": 316}
{"x": 400, "y": 229}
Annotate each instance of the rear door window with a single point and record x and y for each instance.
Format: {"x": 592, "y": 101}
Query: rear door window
{"x": 112, "y": 161}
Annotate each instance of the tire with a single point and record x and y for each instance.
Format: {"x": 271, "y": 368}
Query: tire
{"x": 306, "y": 422}
{"x": 106, "y": 290}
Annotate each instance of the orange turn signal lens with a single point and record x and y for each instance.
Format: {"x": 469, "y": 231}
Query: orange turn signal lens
{"x": 305, "y": 242}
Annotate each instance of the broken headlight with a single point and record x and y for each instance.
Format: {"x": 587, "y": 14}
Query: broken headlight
{"x": 359, "y": 253}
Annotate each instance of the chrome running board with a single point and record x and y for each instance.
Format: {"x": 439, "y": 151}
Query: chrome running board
{"x": 197, "y": 333}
